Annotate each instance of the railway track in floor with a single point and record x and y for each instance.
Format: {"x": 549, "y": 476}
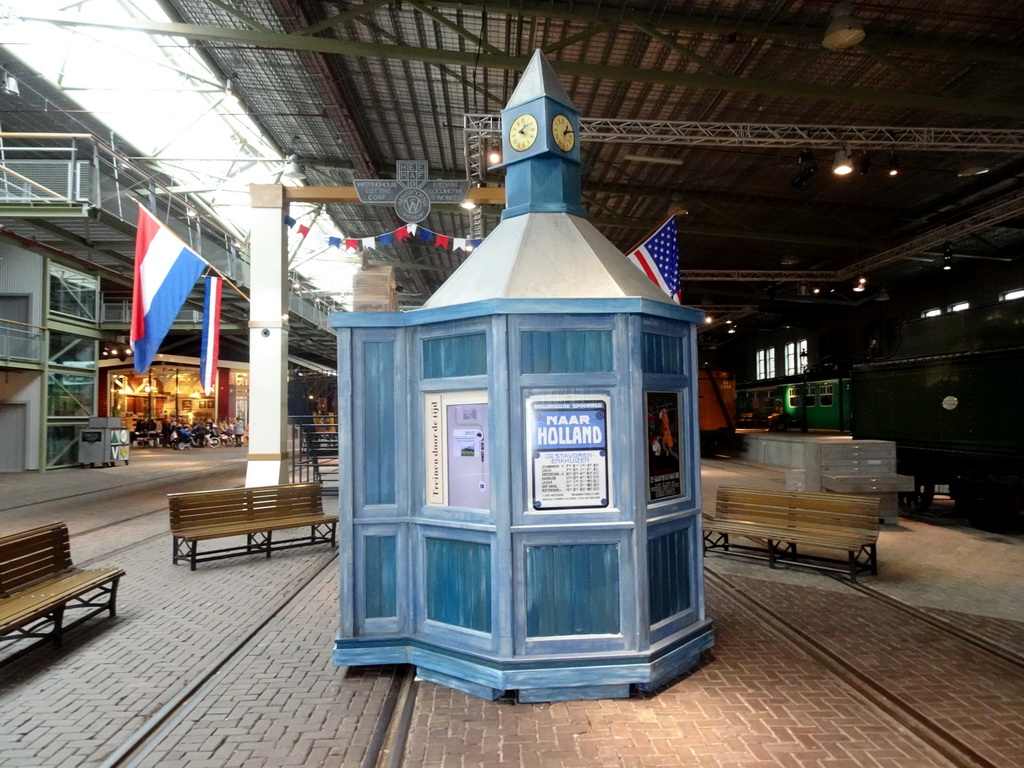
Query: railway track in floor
{"x": 385, "y": 744}
{"x": 936, "y": 735}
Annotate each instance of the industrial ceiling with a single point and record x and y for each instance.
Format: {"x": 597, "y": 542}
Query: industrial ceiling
{"x": 727, "y": 113}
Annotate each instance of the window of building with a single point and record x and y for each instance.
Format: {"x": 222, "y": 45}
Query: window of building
{"x": 765, "y": 360}
{"x": 70, "y": 395}
{"x": 1016, "y": 293}
{"x": 960, "y": 306}
{"x": 825, "y": 395}
{"x": 931, "y": 313}
{"x": 73, "y": 294}
{"x": 795, "y": 357}
{"x": 72, "y": 351}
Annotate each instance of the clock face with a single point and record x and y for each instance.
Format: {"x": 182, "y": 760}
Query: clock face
{"x": 523, "y": 132}
{"x": 562, "y": 133}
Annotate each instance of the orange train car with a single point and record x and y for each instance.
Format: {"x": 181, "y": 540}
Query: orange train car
{"x": 716, "y": 393}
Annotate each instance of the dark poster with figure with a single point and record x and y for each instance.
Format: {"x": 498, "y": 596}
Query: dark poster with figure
{"x": 663, "y": 465}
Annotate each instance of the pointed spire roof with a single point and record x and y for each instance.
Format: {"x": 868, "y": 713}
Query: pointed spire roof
{"x": 539, "y": 79}
{"x": 546, "y": 256}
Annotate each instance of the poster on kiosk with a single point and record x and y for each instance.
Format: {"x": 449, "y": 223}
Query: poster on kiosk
{"x": 568, "y": 461}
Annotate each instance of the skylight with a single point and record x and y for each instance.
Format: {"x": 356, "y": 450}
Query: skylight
{"x": 159, "y": 95}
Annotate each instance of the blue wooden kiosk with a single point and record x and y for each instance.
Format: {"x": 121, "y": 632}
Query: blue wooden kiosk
{"x": 520, "y": 484}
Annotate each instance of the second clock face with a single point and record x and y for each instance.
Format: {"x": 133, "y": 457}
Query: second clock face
{"x": 523, "y": 132}
{"x": 563, "y": 133}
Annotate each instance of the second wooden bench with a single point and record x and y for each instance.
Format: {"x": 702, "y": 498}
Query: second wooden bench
{"x": 777, "y": 522}
{"x": 255, "y": 513}
{"x": 39, "y": 585}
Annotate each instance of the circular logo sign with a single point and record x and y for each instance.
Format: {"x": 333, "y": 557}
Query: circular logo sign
{"x": 412, "y": 205}
{"x": 949, "y": 402}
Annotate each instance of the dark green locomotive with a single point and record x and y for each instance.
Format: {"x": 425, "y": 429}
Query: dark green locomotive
{"x": 949, "y": 400}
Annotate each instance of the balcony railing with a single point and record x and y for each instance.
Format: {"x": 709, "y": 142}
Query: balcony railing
{"x": 54, "y": 172}
{"x": 20, "y": 342}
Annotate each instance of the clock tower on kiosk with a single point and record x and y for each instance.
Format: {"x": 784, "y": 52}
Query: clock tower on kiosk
{"x": 540, "y": 145}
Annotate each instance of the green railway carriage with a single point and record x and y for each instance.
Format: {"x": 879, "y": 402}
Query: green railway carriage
{"x": 818, "y": 403}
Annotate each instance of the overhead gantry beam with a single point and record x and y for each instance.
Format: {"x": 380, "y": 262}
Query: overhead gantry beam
{"x": 776, "y": 135}
{"x": 473, "y": 59}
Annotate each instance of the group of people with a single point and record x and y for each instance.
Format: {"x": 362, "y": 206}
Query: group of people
{"x": 169, "y": 432}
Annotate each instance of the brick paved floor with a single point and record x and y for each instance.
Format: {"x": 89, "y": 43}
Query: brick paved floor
{"x": 74, "y": 706}
{"x": 284, "y": 702}
{"x": 755, "y": 700}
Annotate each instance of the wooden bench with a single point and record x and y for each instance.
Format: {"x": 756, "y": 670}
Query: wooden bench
{"x": 251, "y": 512}
{"x": 38, "y": 584}
{"x": 778, "y": 521}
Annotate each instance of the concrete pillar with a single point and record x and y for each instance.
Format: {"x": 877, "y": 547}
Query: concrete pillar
{"x": 268, "y": 339}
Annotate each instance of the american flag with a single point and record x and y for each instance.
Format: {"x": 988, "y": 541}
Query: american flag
{"x": 658, "y": 257}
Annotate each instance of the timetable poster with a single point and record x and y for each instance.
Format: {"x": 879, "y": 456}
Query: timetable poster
{"x": 663, "y": 466}
{"x": 568, "y": 452}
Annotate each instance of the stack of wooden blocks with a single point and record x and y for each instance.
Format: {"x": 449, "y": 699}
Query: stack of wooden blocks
{"x": 374, "y": 290}
{"x": 859, "y": 467}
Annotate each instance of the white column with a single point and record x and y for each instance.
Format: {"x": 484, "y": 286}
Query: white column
{"x": 268, "y": 339}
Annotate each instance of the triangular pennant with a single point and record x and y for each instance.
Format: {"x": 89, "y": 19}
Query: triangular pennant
{"x": 425, "y": 234}
{"x": 412, "y": 228}
{"x": 289, "y": 221}
{"x": 334, "y": 242}
{"x": 442, "y": 241}
{"x": 401, "y": 233}
{"x": 386, "y": 239}
{"x": 303, "y": 230}
{"x": 459, "y": 244}
{"x": 351, "y": 244}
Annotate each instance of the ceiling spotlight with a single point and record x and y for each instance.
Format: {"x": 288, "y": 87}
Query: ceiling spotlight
{"x": 972, "y": 169}
{"x": 10, "y": 85}
{"x": 815, "y": 290}
{"x": 468, "y": 204}
{"x": 732, "y": 329}
{"x": 708, "y": 319}
{"x": 862, "y": 161}
{"x": 292, "y": 170}
{"x": 801, "y": 290}
{"x": 494, "y": 156}
{"x": 947, "y": 257}
{"x": 843, "y": 163}
{"x": 845, "y": 30}
{"x": 894, "y": 164}
{"x": 861, "y": 284}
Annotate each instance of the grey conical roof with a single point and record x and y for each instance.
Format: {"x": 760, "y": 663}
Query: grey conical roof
{"x": 539, "y": 79}
{"x": 546, "y": 256}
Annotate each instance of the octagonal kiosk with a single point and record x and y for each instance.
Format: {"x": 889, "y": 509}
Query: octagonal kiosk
{"x": 520, "y": 488}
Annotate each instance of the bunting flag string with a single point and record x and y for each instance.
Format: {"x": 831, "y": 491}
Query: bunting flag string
{"x": 387, "y": 238}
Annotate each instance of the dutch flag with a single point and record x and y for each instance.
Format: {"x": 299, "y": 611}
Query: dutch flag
{"x": 211, "y": 334}
{"x": 165, "y": 271}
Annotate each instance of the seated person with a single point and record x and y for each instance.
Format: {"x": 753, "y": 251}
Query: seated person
{"x": 779, "y": 420}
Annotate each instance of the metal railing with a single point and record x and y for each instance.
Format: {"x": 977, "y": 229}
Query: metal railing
{"x": 20, "y": 342}
{"x": 314, "y": 451}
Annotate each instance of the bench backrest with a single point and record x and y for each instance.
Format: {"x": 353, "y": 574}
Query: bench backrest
{"x": 33, "y": 555}
{"x": 800, "y": 510}
{"x": 242, "y": 505}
